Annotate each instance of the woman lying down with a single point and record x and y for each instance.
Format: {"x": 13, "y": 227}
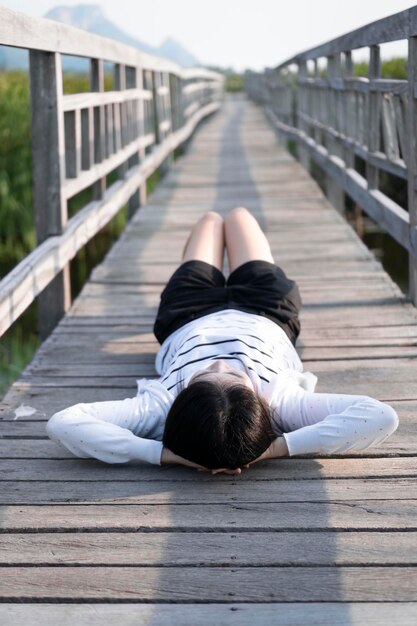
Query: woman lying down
{"x": 232, "y": 389}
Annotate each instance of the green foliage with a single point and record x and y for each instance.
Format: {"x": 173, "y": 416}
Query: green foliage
{"x": 17, "y": 236}
{"x": 74, "y": 82}
{"x": 152, "y": 181}
{"x": 234, "y": 82}
{"x": 292, "y": 148}
{"x": 361, "y": 69}
{"x": 392, "y": 68}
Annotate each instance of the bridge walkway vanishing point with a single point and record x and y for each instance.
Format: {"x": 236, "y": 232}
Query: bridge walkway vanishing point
{"x": 301, "y": 540}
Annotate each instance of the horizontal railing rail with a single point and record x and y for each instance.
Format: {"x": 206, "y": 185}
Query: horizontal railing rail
{"x": 314, "y": 99}
{"x": 78, "y": 139}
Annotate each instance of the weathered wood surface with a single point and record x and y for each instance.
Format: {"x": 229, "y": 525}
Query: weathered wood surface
{"x": 275, "y": 490}
{"x": 218, "y": 549}
{"x": 279, "y": 614}
{"x": 333, "y": 538}
{"x": 336, "y": 515}
{"x": 211, "y": 584}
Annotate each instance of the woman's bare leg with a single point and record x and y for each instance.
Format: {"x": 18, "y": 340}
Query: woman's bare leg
{"x": 206, "y": 241}
{"x": 245, "y": 240}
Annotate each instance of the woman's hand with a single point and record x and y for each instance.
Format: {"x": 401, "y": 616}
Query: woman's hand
{"x": 223, "y": 470}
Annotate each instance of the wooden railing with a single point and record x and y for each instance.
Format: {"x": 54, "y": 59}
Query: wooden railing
{"x": 78, "y": 139}
{"x": 315, "y": 99}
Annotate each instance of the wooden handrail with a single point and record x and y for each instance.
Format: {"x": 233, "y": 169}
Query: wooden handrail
{"x": 335, "y": 117}
{"x": 78, "y": 139}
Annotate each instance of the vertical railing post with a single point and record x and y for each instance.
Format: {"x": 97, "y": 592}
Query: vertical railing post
{"x": 181, "y": 100}
{"x": 269, "y": 95}
{"x": 183, "y": 103}
{"x": 122, "y": 113}
{"x": 317, "y": 133}
{"x": 173, "y": 90}
{"x": 301, "y": 103}
{"x": 334, "y": 192}
{"x": 165, "y": 79}
{"x": 157, "y": 81}
{"x": 148, "y": 109}
{"x": 411, "y": 164}
{"x": 97, "y": 84}
{"x": 141, "y": 196}
{"x": 156, "y": 110}
{"x": 133, "y": 133}
{"x": 347, "y": 94}
{"x": 372, "y": 172}
{"x": 48, "y": 154}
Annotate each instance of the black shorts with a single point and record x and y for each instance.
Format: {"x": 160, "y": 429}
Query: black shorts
{"x": 197, "y": 288}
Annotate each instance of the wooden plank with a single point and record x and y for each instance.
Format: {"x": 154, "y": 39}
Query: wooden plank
{"x": 389, "y": 128}
{"x": 359, "y": 515}
{"x": 32, "y": 449}
{"x": 278, "y": 187}
{"x": 212, "y": 584}
{"x": 218, "y": 491}
{"x": 216, "y": 550}
{"x": 280, "y": 614}
{"x": 362, "y": 352}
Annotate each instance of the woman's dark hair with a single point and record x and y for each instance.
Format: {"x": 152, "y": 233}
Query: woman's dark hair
{"x": 218, "y": 426}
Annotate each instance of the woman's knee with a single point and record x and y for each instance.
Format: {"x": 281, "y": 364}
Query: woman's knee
{"x": 237, "y": 212}
{"x": 213, "y": 216}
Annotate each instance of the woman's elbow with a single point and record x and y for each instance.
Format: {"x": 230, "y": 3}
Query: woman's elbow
{"x": 55, "y": 426}
{"x": 388, "y": 420}
{"x": 58, "y": 426}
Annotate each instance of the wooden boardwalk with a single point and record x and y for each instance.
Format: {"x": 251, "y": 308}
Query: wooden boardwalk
{"x": 293, "y": 541}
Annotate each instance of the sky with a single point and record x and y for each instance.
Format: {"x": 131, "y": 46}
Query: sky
{"x": 241, "y": 34}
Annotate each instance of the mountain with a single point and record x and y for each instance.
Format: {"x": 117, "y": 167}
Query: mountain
{"x": 92, "y": 18}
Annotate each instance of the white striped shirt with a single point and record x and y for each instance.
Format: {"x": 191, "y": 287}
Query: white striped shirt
{"x": 126, "y": 430}
{"x": 248, "y": 342}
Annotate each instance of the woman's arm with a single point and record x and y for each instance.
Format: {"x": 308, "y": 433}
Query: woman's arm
{"x": 327, "y": 423}
{"x": 277, "y": 449}
{"x": 115, "y": 431}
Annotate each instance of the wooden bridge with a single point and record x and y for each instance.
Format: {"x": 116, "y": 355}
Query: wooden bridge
{"x": 324, "y": 540}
